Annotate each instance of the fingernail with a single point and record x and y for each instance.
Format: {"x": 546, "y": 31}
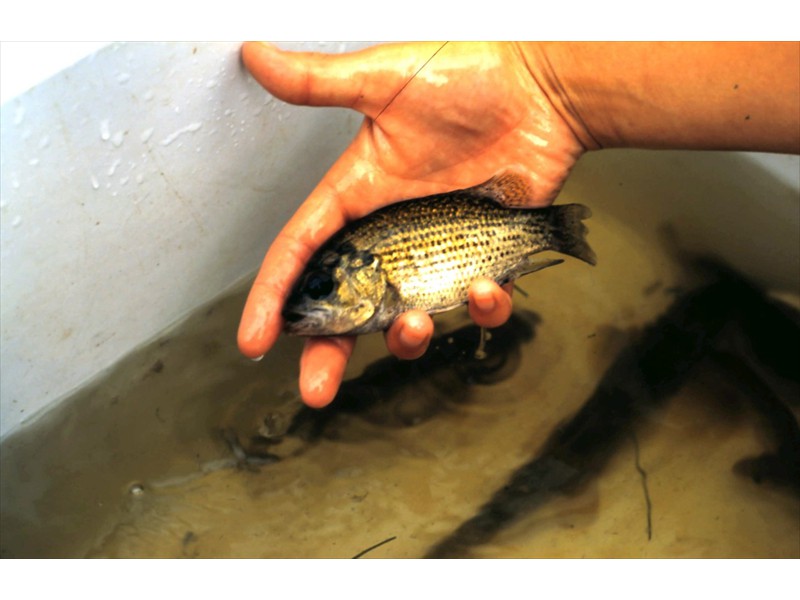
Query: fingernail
{"x": 411, "y": 337}
{"x": 485, "y": 302}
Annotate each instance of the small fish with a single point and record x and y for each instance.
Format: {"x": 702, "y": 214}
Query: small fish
{"x": 424, "y": 253}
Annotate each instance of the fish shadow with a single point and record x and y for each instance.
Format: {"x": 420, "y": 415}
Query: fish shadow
{"x": 394, "y": 393}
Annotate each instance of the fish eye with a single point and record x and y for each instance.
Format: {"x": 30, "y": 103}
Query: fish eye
{"x": 318, "y": 285}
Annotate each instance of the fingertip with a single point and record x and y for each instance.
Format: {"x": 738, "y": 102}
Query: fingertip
{"x": 322, "y": 366}
{"x": 258, "y": 329}
{"x": 483, "y": 296}
{"x": 410, "y": 334}
{"x": 252, "y": 52}
{"x": 251, "y": 348}
{"x": 489, "y": 304}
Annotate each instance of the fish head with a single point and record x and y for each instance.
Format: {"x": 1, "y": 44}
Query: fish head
{"x": 338, "y": 292}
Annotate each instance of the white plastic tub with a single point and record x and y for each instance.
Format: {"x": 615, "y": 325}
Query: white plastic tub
{"x": 148, "y": 179}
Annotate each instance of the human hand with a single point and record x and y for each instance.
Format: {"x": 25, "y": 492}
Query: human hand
{"x": 437, "y": 118}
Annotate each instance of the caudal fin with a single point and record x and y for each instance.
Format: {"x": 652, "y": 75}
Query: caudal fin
{"x": 569, "y": 232}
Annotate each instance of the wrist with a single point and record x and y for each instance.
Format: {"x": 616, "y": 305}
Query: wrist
{"x": 550, "y": 66}
{"x": 727, "y": 96}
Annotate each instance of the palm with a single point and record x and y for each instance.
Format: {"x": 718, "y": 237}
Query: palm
{"x": 470, "y": 112}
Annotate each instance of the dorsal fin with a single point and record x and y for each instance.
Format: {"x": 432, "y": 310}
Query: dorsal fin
{"x": 509, "y": 188}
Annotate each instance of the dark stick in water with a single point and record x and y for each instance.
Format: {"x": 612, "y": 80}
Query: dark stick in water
{"x": 378, "y": 545}
{"x": 641, "y": 379}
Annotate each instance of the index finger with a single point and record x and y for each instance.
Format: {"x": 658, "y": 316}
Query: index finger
{"x": 341, "y": 196}
{"x": 316, "y": 220}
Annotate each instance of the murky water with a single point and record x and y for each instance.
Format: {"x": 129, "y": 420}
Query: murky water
{"x": 178, "y": 452}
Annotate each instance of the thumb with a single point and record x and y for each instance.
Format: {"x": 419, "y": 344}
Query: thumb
{"x": 365, "y": 80}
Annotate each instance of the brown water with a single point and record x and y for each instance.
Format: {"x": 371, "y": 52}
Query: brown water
{"x": 164, "y": 456}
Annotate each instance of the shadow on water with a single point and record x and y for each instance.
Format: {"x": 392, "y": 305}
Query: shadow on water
{"x": 754, "y": 340}
{"x": 397, "y": 393}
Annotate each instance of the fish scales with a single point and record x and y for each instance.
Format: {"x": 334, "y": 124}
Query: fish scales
{"x": 425, "y": 253}
{"x": 442, "y": 244}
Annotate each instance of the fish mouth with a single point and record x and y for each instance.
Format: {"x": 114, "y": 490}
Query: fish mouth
{"x": 299, "y": 321}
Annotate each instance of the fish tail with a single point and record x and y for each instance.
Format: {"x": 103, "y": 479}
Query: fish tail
{"x": 569, "y": 232}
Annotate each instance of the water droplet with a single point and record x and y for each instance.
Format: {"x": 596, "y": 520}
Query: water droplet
{"x": 44, "y": 142}
{"x": 118, "y": 138}
{"x": 191, "y": 128}
{"x": 113, "y": 167}
{"x": 139, "y": 179}
{"x": 15, "y": 183}
{"x": 19, "y": 114}
{"x": 95, "y": 183}
{"x": 123, "y": 78}
{"x": 148, "y": 95}
{"x": 137, "y": 489}
{"x": 146, "y": 134}
{"x": 33, "y": 162}
{"x": 105, "y": 132}
{"x": 211, "y": 83}
{"x": 228, "y": 112}
{"x": 17, "y": 221}
{"x": 124, "y": 180}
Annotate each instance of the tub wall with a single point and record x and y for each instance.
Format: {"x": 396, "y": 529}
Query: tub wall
{"x": 137, "y": 184}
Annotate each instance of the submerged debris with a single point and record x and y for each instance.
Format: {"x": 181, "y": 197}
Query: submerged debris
{"x": 378, "y": 545}
{"x": 711, "y": 322}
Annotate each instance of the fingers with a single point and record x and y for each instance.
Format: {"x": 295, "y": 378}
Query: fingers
{"x": 489, "y": 304}
{"x": 324, "y": 212}
{"x": 322, "y": 368}
{"x": 261, "y": 321}
{"x": 324, "y": 360}
{"x": 364, "y": 80}
{"x": 410, "y": 334}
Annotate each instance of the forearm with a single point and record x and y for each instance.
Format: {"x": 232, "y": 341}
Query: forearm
{"x": 732, "y": 96}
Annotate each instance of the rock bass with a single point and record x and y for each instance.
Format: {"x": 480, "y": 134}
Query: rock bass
{"x": 425, "y": 252}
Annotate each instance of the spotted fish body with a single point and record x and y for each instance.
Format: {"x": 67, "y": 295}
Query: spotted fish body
{"x": 425, "y": 253}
